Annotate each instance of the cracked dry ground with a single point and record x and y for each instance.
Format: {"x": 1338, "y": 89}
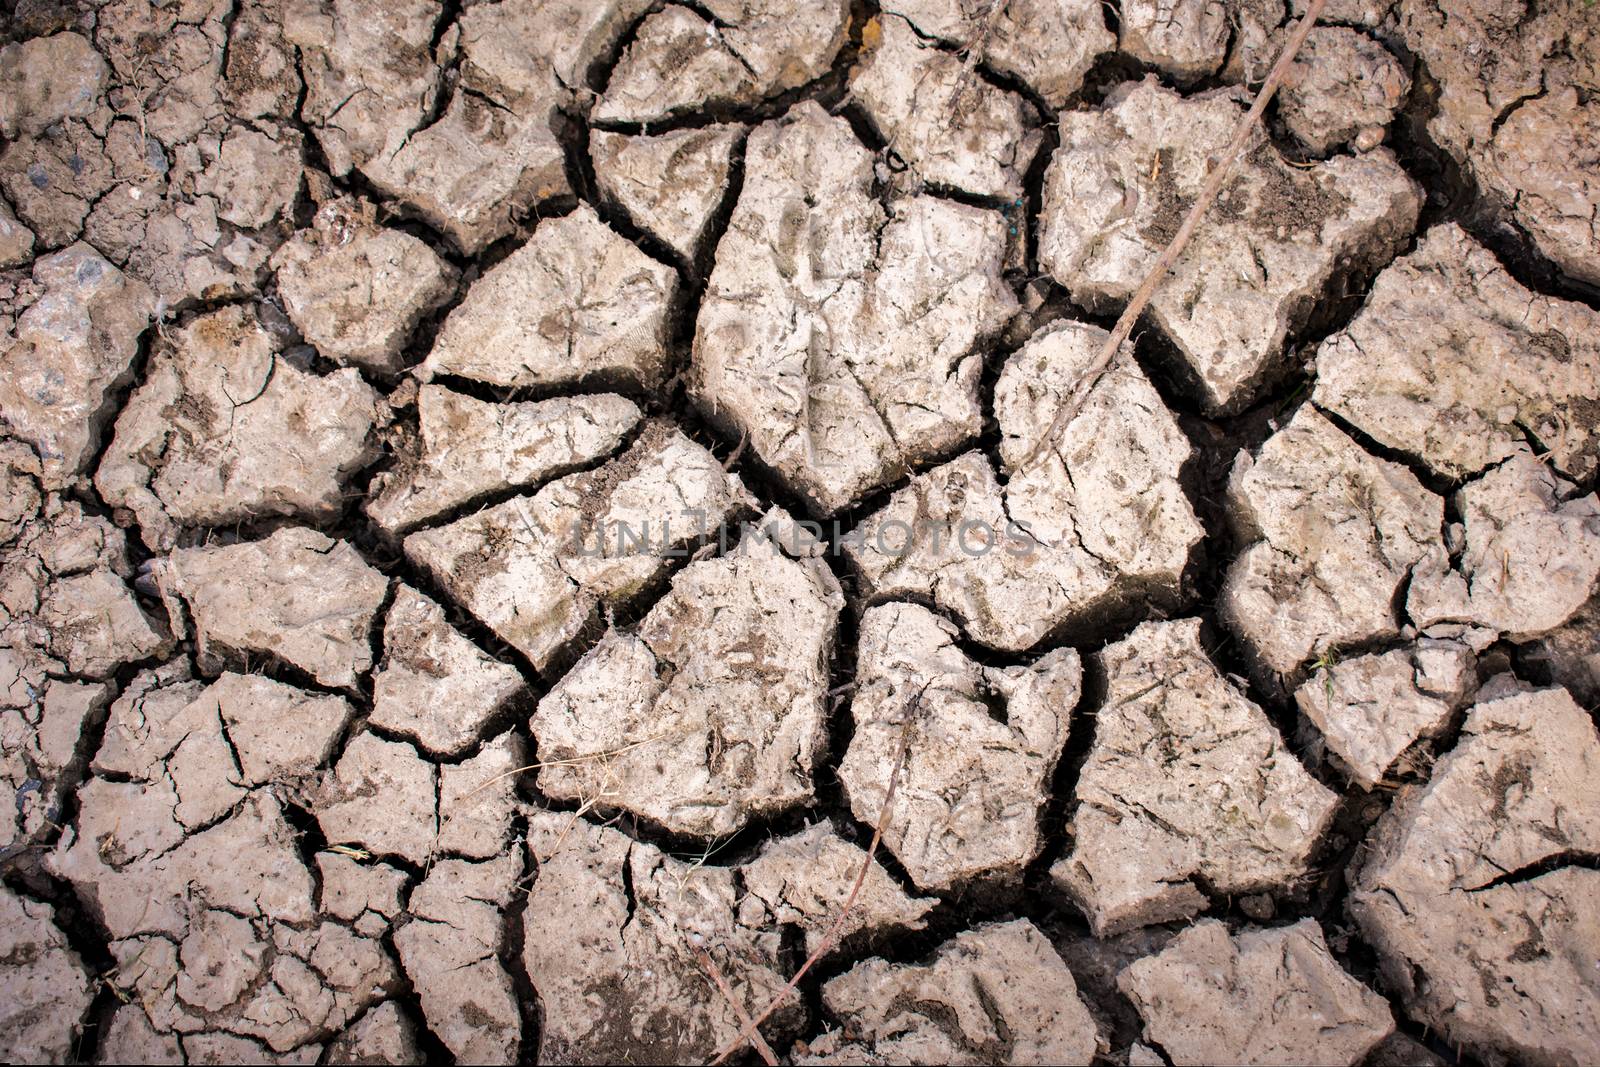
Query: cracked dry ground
{"x": 491, "y": 493}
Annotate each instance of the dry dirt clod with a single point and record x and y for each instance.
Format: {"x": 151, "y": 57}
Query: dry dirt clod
{"x": 383, "y": 1035}
{"x": 1531, "y": 559}
{"x": 368, "y": 895}
{"x": 836, "y": 334}
{"x": 435, "y": 686}
{"x": 1484, "y": 922}
{"x": 43, "y": 986}
{"x": 1344, "y": 85}
{"x": 451, "y": 950}
{"x": 357, "y": 290}
{"x": 1048, "y": 44}
{"x": 1268, "y": 253}
{"x": 953, "y": 130}
{"x": 803, "y": 880}
{"x": 1333, "y": 534}
{"x": 16, "y": 240}
{"x": 381, "y": 797}
{"x": 1099, "y": 525}
{"x": 281, "y": 734}
{"x": 1187, "y": 39}
{"x": 470, "y": 448}
{"x": 669, "y": 184}
{"x": 714, "y": 710}
{"x": 609, "y": 939}
{"x": 70, "y": 353}
{"x": 1260, "y": 997}
{"x": 983, "y": 744}
{"x": 577, "y": 303}
{"x": 680, "y": 62}
{"x": 1454, "y": 362}
{"x": 225, "y": 429}
{"x": 997, "y": 993}
{"x": 41, "y": 723}
{"x": 1188, "y": 785}
{"x": 46, "y": 79}
{"x": 1373, "y": 708}
{"x": 1569, "y": 655}
{"x": 478, "y": 799}
{"x": 298, "y": 595}
{"x": 1516, "y": 109}
{"x": 538, "y": 569}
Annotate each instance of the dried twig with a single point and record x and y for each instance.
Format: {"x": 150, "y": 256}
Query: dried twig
{"x": 831, "y": 937}
{"x": 709, "y": 965}
{"x": 1169, "y": 256}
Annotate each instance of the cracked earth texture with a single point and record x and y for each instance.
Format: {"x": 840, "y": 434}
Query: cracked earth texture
{"x": 492, "y": 492}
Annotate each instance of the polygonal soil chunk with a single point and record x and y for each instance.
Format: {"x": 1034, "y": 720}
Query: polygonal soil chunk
{"x": 1372, "y": 708}
{"x": 714, "y": 709}
{"x": 1188, "y": 785}
{"x": 471, "y": 448}
{"x": 803, "y": 880}
{"x": 223, "y": 429}
{"x": 610, "y": 935}
{"x": 279, "y": 732}
{"x": 1118, "y": 189}
{"x": 1048, "y": 44}
{"x": 537, "y": 569}
{"x": 1335, "y": 534}
{"x": 477, "y": 799}
{"x": 836, "y": 337}
{"x": 1095, "y": 526}
{"x": 451, "y": 950}
{"x": 951, "y": 127}
{"x": 16, "y": 240}
{"x": 297, "y": 595}
{"x": 1263, "y": 997}
{"x": 669, "y": 184}
{"x": 435, "y": 686}
{"x": 96, "y": 625}
{"x": 1516, "y": 109}
{"x": 980, "y": 744}
{"x": 681, "y": 62}
{"x": 72, "y": 350}
{"x": 1343, "y": 87}
{"x": 369, "y": 72}
{"x": 1542, "y": 165}
{"x": 1187, "y": 39}
{"x": 997, "y": 993}
{"x": 383, "y": 1035}
{"x": 576, "y": 303}
{"x": 382, "y": 797}
{"x": 1451, "y": 361}
{"x": 47, "y": 79}
{"x": 356, "y": 290}
{"x": 44, "y": 991}
{"x": 1479, "y": 891}
{"x": 1532, "y": 554}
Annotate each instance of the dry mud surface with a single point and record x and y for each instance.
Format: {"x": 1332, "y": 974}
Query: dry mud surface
{"x": 493, "y": 493}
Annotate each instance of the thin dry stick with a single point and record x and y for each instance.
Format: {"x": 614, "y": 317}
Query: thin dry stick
{"x": 832, "y": 935}
{"x": 1169, "y": 256}
{"x": 709, "y": 965}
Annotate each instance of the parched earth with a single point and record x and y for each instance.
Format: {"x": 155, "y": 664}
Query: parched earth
{"x": 500, "y": 501}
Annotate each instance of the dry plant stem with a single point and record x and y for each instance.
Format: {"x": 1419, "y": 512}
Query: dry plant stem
{"x": 709, "y": 965}
{"x": 1169, "y": 256}
{"x": 830, "y": 938}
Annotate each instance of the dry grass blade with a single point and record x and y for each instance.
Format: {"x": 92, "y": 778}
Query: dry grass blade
{"x": 709, "y": 965}
{"x": 1169, "y": 255}
{"x": 831, "y": 938}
